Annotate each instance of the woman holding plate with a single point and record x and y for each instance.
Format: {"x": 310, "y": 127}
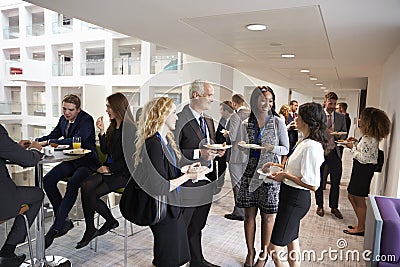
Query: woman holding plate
{"x": 268, "y": 132}
{"x": 300, "y": 175}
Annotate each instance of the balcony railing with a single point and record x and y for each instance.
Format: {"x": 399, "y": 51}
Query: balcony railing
{"x": 126, "y": 66}
{"x": 10, "y": 108}
{"x": 11, "y": 32}
{"x": 36, "y": 109}
{"x": 93, "y": 68}
{"x": 63, "y": 68}
{"x": 35, "y": 30}
{"x": 163, "y": 63}
{"x": 90, "y": 27}
{"x": 59, "y": 28}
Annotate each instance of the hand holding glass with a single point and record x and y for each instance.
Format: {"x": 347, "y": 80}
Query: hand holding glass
{"x": 76, "y": 142}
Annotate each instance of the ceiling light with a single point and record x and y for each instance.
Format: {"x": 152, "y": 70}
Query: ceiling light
{"x": 275, "y": 44}
{"x": 326, "y": 91}
{"x": 313, "y": 78}
{"x": 323, "y": 87}
{"x": 319, "y": 84}
{"x": 256, "y": 27}
{"x": 133, "y": 48}
{"x": 288, "y": 55}
{"x": 305, "y": 71}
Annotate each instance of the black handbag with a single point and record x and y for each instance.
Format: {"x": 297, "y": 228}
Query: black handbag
{"x": 139, "y": 207}
{"x": 381, "y": 160}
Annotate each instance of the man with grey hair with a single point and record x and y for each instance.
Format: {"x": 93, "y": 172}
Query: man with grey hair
{"x": 193, "y": 130}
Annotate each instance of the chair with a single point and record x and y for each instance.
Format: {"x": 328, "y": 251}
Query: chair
{"x": 22, "y": 211}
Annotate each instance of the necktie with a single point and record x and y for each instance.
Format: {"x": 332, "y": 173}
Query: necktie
{"x": 330, "y": 122}
{"x": 203, "y": 126}
{"x": 66, "y": 129}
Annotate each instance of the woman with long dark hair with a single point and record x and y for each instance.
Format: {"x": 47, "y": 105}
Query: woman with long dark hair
{"x": 300, "y": 175}
{"x": 114, "y": 173}
{"x": 265, "y": 129}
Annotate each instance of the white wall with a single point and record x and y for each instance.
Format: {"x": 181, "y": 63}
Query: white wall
{"x": 389, "y": 101}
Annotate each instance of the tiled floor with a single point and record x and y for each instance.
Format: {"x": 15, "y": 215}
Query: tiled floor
{"x": 223, "y": 240}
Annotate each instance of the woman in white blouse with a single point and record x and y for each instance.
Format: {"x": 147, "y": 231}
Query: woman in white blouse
{"x": 300, "y": 175}
{"x": 374, "y": 125}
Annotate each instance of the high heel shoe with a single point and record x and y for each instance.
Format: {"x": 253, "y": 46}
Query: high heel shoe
{"x": 254, "y": 255}
{"x": 264, "y": 259}
{"x": 85, "y": 242}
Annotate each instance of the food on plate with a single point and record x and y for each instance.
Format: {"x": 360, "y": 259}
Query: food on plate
{"x": 224, "y": 144}
{"x": 53, "y": 144}
{"x": 341, "y": 140}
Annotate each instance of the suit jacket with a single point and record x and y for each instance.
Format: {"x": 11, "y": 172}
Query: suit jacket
{"x": 83, "y": 127}
{"x": 293, "y": 134}
{"x": 236, "y": 135}
{"x": 339, "y": 125}
{"x": 220, "y": 139}
{"x": 348, "y": 123}
{"x": 16, "y": 154}
{"x": 121, "y": 151}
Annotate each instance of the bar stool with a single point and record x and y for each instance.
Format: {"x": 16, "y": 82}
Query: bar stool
{"x": 22, "y": 211}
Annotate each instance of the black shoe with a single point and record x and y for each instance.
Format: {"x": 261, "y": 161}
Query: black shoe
{"x": 234, "y": 217}
{"x": 85, "y": 242}
{"x": 337, "y": 213}
{"x": 202, "y": 263}
{"x": 68, "y": 225}
{"x": 13, "y": 261}
{"x": 49, "y": 237}
{"x": 107, "y": 226}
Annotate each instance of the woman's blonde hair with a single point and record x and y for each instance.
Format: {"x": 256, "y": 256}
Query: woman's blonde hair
{"x": 154, "y": 115}
{"x": 285, "y": 110}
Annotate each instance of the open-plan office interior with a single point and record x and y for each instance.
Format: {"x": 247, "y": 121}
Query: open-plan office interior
{"x": 155, "y": 48}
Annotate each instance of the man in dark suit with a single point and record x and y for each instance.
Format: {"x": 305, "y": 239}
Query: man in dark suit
{"x": 221, "y": 136}
{"x": 74, "y": 122}
{"x": 292, "y": 131}
{"x": 12, "y": 197}
{"x": 238, "y": 158}
{"x": 342, "y": 108}
{"x": 193, "y": 130}
{"x": 335, "y": 123}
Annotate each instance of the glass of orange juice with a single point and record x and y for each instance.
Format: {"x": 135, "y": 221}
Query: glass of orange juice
{"x": 76, "y": 142}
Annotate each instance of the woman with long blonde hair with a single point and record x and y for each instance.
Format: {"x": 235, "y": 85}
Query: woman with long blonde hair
{"x": 156, "y": 163}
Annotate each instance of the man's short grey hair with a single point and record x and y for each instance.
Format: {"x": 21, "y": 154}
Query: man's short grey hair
{"x": 197, "y": 86}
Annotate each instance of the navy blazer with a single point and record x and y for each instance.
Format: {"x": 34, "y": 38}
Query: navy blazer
{"x": 16, "y": 154}
{"x": 83, "y": 127}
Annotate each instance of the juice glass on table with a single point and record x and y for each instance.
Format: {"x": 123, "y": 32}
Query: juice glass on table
{"x": 76, "y": 142}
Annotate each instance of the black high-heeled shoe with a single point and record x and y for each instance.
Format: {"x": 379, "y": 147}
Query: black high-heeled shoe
{"x": 85, "y": 242}
{"x": 245, "y": 264}
{"x": 264, "y": 259}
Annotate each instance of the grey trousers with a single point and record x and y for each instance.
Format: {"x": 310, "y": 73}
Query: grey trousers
{"x": 236, "y": 171}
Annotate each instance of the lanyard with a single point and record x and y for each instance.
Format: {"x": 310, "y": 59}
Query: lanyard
{"x": 171, "y": 152}
{"x": 257, "y": 137}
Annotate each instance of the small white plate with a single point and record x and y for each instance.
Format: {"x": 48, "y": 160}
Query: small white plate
{"x": 251, "y": 146}
{"x": 342, "y": 143}
{"x": 338, "y": 133}
{"x": 217, "y": 146}
{"x": 264, "y": 176}
{"x": 61, "y": 147}
{"x": 224, "y": 131}
{"x": 77, "y": 151}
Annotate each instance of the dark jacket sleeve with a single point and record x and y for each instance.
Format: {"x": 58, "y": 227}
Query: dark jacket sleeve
{"x": 123, "y": 149}
{"x": 56, "y": 133}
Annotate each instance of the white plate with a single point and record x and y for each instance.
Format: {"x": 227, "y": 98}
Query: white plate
{"x": 338, "y": 133}
{"x": 264, "y": 176}
{"x": 224, "y": 131}
{"x": 251, "y": 146}
{"x": 217, "y": 146}
{"x": 342, "y": 143}
{"x": 77, "y": 151}
{"x": 61, "y": 147}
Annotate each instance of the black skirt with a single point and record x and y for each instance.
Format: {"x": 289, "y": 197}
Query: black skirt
{"x": 360, "y": 179}
{"x": 294, "y": 203}
{"x": 171, "y": 246}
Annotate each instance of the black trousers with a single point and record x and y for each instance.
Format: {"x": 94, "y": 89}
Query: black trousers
{"x": 33, "y": 196}
{"x": 334, "y": 164}
{"x": 195, "y": 219}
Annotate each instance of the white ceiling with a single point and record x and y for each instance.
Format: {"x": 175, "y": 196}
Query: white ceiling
{"x": 342, "y": 42}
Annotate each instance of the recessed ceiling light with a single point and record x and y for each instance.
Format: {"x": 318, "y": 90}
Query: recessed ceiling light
{"x": 319, "y": 84}
{"x": 288, "y": 55}
{"x": 323, "y": 87}
{"x": 256, "y": 27}
{"x": 313, "y": 78}
{"x": 133, "y": 48}
{"x": 275, "y": 44}
{"x": 326, "y": 91}
{"x": 305, "y": 71}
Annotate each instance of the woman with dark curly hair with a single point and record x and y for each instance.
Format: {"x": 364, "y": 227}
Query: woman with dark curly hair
{"x": 374, "y": 125}
{"x": 300, "y": 175}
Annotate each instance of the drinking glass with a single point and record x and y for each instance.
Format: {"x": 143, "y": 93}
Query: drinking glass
{"x": 76, "y": 142}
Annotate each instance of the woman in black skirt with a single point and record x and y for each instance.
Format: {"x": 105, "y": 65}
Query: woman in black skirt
{"x": 300, "y": 175}
{"x": 157, "y": 157}
{"x": 374, "y": 125}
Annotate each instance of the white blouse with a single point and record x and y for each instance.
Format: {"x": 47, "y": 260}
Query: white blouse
{"x": 366, "y": 150}
{"x": 305, "y": 162}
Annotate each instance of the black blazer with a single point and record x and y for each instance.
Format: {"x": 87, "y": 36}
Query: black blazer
{"x": 83, "y": 127}
{"x": 156, "y": 170}
{"x": 122, "y": 149}
{"x": 16, "y": 154}
{"x": 188, "y": 137}
{"x": 293, "y": 134}
{"x": 220, "y": 139}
